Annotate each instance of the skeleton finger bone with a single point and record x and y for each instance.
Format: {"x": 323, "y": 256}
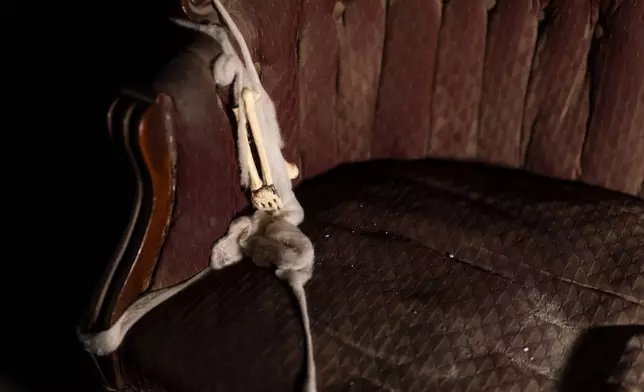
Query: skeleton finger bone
{"x": 266, "y": 199}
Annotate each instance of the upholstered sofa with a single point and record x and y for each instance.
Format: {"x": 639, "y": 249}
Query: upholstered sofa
{"x": 472, "y": 174}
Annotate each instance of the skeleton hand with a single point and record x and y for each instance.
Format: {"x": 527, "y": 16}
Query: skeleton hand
{"x": 266, "y": 199}
{"x": 264, "y": 195}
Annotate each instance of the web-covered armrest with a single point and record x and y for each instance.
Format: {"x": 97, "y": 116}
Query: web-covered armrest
{"x": 208, "y": 189}
{"x": 179, "y": 144}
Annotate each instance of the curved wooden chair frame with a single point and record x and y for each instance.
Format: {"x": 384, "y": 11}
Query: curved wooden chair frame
{"x": 142, "y": 129}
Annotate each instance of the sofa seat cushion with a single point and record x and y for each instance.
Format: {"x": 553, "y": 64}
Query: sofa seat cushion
{"x": 430, "y": 276}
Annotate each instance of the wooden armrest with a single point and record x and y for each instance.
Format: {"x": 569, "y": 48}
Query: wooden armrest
{"x": 142, "y": 129}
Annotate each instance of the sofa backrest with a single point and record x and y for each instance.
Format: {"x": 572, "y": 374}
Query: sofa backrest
{"x": 554, "y": 87}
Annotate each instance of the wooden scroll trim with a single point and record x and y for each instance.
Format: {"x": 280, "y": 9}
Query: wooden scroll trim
{"x": 145, "y": 129}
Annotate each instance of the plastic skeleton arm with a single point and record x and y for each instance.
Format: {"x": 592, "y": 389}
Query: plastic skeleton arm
{"x": 263, "y": 191}
{"x": 264, "y": 195}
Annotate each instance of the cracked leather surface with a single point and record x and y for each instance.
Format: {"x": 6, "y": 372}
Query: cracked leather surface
{"x": 430, "y": 276}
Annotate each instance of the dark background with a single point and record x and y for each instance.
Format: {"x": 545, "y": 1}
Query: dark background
{"x": 64, "y": 191}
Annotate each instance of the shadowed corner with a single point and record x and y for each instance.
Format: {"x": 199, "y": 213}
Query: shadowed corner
{"x": 7, "y": 384}
{"x": 599, "y": 359}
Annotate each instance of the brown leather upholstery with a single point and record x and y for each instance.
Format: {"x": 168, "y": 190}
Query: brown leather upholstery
{"x": 429, "y": 276}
